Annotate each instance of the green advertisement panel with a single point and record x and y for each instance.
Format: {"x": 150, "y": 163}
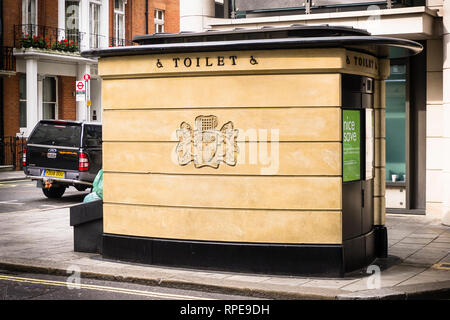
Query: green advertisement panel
{"x": 351, "y": 145}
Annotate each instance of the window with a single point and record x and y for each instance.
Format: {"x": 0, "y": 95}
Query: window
{"x": 119, "y": 22}
{"x": 94, "y": 24}
{"x": 159, "y": 21}
{"x": 72, "y": 20}
{"x": 23, "y": 101}
{"x": 396, "y": 123}
{"x": 92, "y": 136}
{"x": 29, "y": 17}
{"x": 49, "y": 105}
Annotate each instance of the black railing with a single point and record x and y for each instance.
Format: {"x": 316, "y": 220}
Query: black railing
{"x": 7, "y": 59}
{"x": 118, "y": 42}
{"x": 44, "y": 37}
{"x": 11, "y": 149}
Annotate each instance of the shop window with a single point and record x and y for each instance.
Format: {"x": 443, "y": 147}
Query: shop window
{"x": 159, "y": 21}
{"x": 396, "y": 100}
{"x": 49, "y": 98}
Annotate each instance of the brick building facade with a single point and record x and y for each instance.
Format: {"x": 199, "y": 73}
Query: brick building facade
{"x": 41, "y": 82}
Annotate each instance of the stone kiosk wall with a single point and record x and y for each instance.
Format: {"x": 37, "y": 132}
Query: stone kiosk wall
{"x": 233, "y": 159}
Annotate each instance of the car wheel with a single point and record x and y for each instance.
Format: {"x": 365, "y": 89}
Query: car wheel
{"x": 54, "y": 192}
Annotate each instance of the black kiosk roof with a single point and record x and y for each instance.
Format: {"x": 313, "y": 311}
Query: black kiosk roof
{"x": 293, "y": 37}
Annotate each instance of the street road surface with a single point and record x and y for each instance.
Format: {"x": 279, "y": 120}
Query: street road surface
{"x": 22, "y": 195}
{"x": 23, "y": 286}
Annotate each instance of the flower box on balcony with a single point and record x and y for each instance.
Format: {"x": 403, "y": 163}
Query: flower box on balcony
{"x": 43, "y": 44}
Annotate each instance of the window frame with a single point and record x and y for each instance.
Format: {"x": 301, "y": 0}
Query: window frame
{"x": 94, "y": 37}
{"x": 23, "y": 77}
{"x": 119, "y": 29}
{"x": 159, "y": 22}
{"x": 56, "y": 106}
{"x": 29, "y": 27}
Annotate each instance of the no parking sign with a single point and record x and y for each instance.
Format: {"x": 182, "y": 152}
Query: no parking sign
{"x": 80, "y": 89}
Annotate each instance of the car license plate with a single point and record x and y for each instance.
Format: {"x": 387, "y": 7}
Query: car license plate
{"x": 51, "y": 155}
{"x": 53, "y": 173}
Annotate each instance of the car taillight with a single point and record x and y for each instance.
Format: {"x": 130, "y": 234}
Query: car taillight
{"x": 83, "y": 162}
{"x": 24, "y": 157}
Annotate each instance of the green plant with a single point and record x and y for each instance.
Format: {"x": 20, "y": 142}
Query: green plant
{"x": 28, "y": 41}
{"x": 65, "y": 45}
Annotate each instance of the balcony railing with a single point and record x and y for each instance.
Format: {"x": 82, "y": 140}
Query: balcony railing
{"x": 49, "y": 38}
{"x": 7, "y": 59}
{"x": 244, "y": 8}
{"x": 118, "y": 42}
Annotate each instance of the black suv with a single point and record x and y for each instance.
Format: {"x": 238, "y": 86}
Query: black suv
{"x": 61, "y": 153}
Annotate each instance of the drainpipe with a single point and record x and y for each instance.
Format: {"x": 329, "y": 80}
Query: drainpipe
{"x": 146, "y": 17}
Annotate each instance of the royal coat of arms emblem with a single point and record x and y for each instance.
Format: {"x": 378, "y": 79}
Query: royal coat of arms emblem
{"x": 205, "y": 145}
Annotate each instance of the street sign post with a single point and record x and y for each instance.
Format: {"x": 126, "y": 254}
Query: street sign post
{"x": 80, "y": 89}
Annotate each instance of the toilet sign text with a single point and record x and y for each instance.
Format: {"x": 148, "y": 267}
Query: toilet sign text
{"x": 205, "y": 61}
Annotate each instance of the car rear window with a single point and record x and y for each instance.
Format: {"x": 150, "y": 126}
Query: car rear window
{"x": 65, "y": 135}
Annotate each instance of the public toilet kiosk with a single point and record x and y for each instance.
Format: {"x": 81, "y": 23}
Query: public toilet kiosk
{"x": 248, "y": 150}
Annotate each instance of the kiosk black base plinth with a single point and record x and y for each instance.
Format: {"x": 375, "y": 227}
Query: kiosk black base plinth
{"x": 263, "y": 258}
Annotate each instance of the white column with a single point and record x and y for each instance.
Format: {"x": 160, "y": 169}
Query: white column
{"x": 61, "y": 14}
{"x": 32, "y": 95}
{"x": 193, "y": 14}
{"x": 84, "y": 24}
{"x": 82, "y": 109}
{"x": 40, "y": 91}
{"x": 446, "y": 112}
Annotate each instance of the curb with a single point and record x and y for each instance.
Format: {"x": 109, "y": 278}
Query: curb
{"x": 243, "y": 290}
{"x": 427, "y": 291}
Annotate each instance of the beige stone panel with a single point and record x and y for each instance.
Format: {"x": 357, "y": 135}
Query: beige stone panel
{"x": 380, "y": 123}
{"x": 379, "y": 209}
{"x": 434, "y": 209}
{"x": 292, "y": 124}
{"x": 379, "y": 182}
{"x": 223, "y": 62}
{"x": 435, "y": 121}
{"x": 380, "y": 152}
{"x": 241, "y": 192}
{"x": 379, "y": 96}
{"x": 434, "y": 55}
{"x": 253, "y": 159}
{"x": 396, "y": 197}
{"x": 434, "y": 87}
{"x": 384, "y": 68}
{"x": 224, "y": 225}
{"x": 434, "y": 190}
{"x": 287, "y": 90}
{"x": 435, "y": 153}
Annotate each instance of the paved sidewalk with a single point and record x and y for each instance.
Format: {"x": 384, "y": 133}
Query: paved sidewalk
{"x": 11, "y": 175}
{"x": 42, "y": 241}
